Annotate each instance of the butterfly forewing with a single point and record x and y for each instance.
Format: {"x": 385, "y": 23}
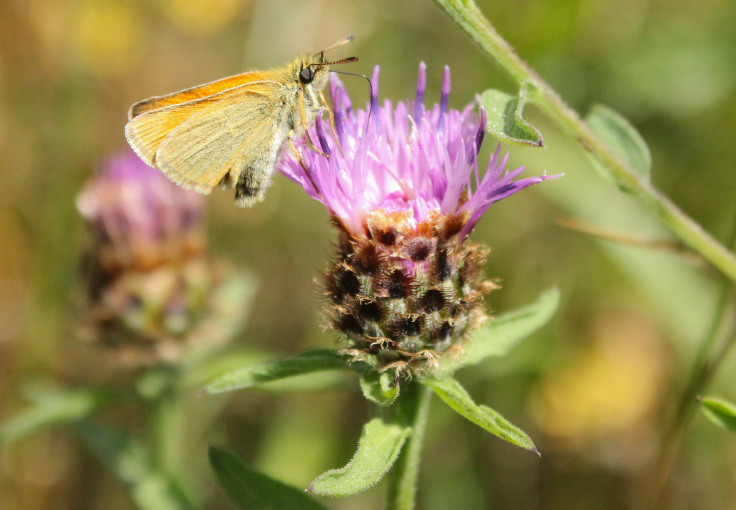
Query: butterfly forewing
{"x": 230, "y": 131}
{"x": 200, "y": 91}
{"x": 146, "y": 132}
{"x": 225, "y": 138}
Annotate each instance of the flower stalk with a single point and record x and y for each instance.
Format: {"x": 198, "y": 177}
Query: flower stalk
{"x": 413, "y": 410}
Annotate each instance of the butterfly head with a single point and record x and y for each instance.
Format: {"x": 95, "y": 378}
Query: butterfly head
{"x": 313, "y": 69}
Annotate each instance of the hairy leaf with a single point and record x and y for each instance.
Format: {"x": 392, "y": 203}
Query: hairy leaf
{"x": 455, "y": 396}
{"x": 378, "y": 448}
{"x": 505, "y": 118}
{"x": 306, "y": 362}
{"x": 379, "y": 387}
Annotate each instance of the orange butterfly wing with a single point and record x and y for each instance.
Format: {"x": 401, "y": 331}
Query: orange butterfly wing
{"x": 200, "y": 91}
{"x": 196, "y": 143}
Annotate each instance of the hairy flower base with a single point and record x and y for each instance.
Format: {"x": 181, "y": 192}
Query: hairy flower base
{"x": 405, "y": 295}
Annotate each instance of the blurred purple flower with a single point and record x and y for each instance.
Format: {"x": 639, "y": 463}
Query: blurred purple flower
{"x": 139, "y": 217}
{"x": 152, "y": 291}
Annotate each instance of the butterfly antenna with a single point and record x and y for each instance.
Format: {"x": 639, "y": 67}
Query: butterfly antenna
{"x": 348, "y": 60}
{"x": 341, "y": 42}
{"x": 370, "y": 86}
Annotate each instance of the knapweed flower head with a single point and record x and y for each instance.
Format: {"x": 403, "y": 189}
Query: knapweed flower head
{"x": 402, "y": 183}
{"x": 149, "y": 280}
{"x": 138, "y": 218}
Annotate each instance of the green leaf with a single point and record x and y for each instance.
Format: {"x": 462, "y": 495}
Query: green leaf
{"x": 505, "y": 117}
{"x": 455, "y": 396}
{"x": 221, "y": 364}
{"x": 249, "y": 489}
{"x": 614, "y": 129}
{"x": 315, "y": 381}
{"x": 54, "y": 407}
{"x": 150, "y": 488}
{"x": 306, "y": 362}
{"x": 378, "y": 448}
{"x": 379, "y": 388}
{"x": 720, "y": 411}
{"x": 507, "y": 330}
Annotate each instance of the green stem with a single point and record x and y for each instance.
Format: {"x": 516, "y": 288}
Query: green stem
{"x": 413, "y": 411}
{"x": 704, "y": 368}
{"x": 472, "y": 20}
{"x": 709, "y": 359}
{"x": 167, "y": 422}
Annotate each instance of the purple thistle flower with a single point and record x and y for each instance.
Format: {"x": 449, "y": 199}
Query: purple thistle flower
{"x": 403, "y": 183}
{"x": 407, "y": 158}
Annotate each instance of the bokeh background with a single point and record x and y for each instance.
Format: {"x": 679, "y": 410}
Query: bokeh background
{"x": 594, "y": 389}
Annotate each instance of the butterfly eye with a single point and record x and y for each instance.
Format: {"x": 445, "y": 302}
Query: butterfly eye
{"x": 306, "y": 75}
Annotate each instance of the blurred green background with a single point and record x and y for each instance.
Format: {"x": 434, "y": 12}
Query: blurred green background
{"x": 594, "y": 389}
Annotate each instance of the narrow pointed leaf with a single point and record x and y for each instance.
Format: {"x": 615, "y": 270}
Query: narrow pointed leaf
{"x": 378, "y": 448}
{"x": 56, "y": 407}
{"x": 304, "y": 363}
{"x": 507, "y": 330}
{"x": 505, "y": 117}
{"x": 614, "y": 129}
{"x": 379, "y": 388}
{"x": 149, "y": 487}
{"x": 720, "y": 411}
{"x": 249, "y": 489}
{"x": 455, "y": 396}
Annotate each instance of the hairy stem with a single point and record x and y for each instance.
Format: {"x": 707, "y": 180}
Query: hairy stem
{"x": 413, "y": 411}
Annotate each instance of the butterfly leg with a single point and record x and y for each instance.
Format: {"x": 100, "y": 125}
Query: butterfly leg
{"x": 301, "y": 163}
{"x": 332, "y": 121}
{"x": 303, "y": 116}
